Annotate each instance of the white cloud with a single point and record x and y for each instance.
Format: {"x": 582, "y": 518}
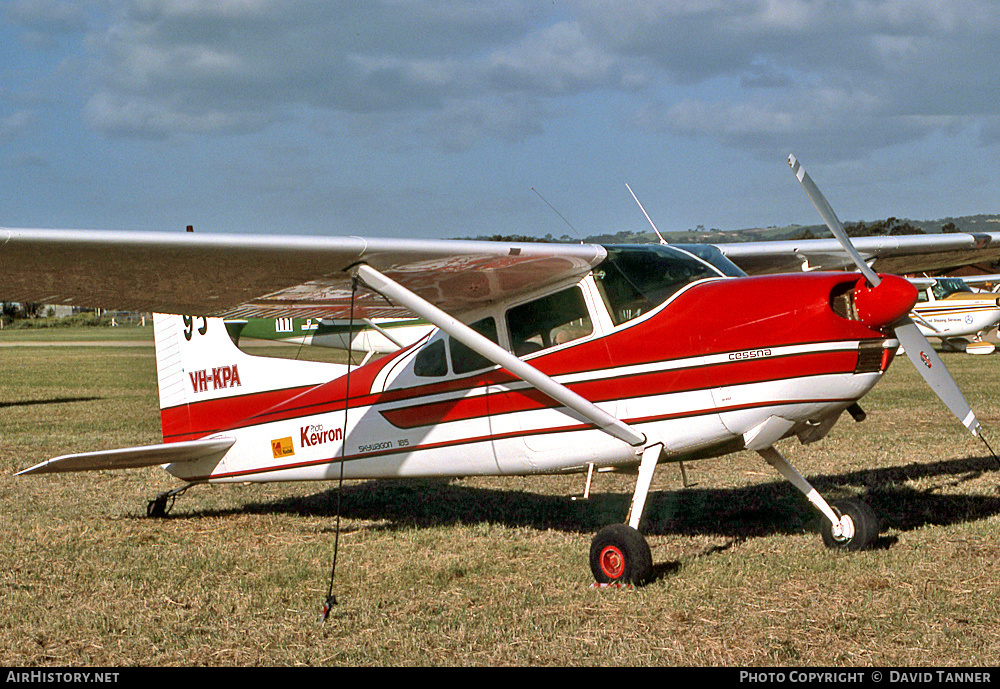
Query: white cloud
{"x": 761, "y": 74}
{"x": 179, "y": 66}
{"x": 748, "y": 73}
{"x": 14, "y": 124}
{"x": 160, "y": 119}
{"x": 49, "y": 16}
{"x": 554, "y": 60}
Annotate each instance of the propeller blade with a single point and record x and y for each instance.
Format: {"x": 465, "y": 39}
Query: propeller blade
{"x": 932, "y": 369}
{"x": 916, "y": 346}
{"x": 831, "y": 220}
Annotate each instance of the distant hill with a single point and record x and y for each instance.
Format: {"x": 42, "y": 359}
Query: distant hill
{"x": 889, "y": 226}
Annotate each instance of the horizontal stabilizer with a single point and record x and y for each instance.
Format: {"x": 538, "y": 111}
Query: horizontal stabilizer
{"x": 133, "y": 457}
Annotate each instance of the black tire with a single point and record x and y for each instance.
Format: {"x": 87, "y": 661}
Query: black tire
{"x": 620, "y": 555}
{"x": 865, "y": 526}
{"x": 157, "y": 508}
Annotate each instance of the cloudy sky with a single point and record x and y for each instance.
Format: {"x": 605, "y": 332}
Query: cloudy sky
{"x": 451, "y": 118}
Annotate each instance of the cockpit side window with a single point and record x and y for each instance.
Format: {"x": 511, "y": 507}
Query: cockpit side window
{"x": 552, "y": 320}
{"x": 634, "y": 280}
{"x": 463, "y": 359}
{"x": 946, "y": 286}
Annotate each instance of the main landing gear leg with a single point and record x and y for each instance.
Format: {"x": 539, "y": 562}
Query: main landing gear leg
{"x": 619, "y": 554}
{"x": 848, "y": 524}
{"x": 161, "y": 505}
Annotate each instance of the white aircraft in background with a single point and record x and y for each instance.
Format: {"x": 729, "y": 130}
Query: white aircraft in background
{"x": 948, "y": 309}
{"x": 547, "y": 358}
{"x": 370, "y": 335}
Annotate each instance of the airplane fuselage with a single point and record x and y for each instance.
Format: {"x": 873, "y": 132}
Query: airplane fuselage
{"x": 701, "y": 372}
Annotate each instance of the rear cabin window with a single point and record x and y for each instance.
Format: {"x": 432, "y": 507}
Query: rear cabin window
{"x": 465, "y": 360}
{"x": 634, "y": 280}
{"x": 431, "y": 360}
{"x": 552, "y": 320}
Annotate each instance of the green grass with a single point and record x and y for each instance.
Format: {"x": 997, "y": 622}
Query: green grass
{"x": 490, "y": 571}
{"x": 123, "y": 333}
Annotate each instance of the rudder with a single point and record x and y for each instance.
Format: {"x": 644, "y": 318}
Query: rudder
{"x": 207, "y": 384}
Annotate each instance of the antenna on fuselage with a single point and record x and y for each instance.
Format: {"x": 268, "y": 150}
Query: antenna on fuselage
{"x": 662, "y": 240}
{"x": 559, "y": 214}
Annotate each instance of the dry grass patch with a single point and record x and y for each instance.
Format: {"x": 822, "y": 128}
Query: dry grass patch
{"x": 490, "y": 571}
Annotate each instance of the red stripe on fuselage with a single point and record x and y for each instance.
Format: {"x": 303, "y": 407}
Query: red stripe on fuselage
{"x": 201, "y": 418}
{"x": 631, "y": 386}
{"x": 710, "y": 318}
{"x": 469, "y": 440}
{"x": 198, "y": 419}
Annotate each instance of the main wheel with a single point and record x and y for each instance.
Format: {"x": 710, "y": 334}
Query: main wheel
{"x": 858, "y": 518}
{"x": 620, "y": 555}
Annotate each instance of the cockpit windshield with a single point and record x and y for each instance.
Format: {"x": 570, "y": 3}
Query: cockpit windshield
{"x": 945, "y": 286}
{"x": 633, "y": 280}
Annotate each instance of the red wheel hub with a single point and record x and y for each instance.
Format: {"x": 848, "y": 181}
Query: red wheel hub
{"x": 612, "y": 562}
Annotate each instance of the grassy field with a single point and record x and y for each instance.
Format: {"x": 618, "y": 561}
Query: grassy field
{"x": 490, "y": 571}
{"x": 62, "y": 336}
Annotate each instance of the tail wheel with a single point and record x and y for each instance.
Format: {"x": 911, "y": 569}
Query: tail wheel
{"x": 620, "y": 555}
{"x": 861, "y": 526}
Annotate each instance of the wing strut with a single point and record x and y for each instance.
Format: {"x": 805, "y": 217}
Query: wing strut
{"x": 500, "y": 356}
{"x": 382, "y": 331}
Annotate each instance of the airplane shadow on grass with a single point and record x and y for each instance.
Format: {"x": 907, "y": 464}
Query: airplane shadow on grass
{"x": 732, "y": 514}
{"x": 57, "y": 400}
{"x": 737, "y": 513}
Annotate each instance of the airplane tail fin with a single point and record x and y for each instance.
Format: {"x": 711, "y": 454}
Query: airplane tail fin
{"x": 208, "y": 385}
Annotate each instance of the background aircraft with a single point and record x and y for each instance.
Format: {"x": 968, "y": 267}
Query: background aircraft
{"x": 948, "y": 309}
{"x": 548, "y": 358}
{"x": 373, "y": 336}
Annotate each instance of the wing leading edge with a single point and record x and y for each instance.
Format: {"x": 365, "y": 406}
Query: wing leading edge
{"x": 242, "y": 276}
{"x": 894, "y": 254}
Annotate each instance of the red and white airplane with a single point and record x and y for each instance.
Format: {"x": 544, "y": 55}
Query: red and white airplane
{"x": 547, "y": 358}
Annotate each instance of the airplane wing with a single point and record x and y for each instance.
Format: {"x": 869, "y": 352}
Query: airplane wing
{"x": 241, "y": 276}
{"x": 980, "y": 279}
{"x": 894, "y": 254}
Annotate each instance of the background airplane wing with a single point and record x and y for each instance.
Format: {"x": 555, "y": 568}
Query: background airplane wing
{"x": 993, "y": 279}
{"x": 269, "y": 275}
{"x": 894, "y": 254}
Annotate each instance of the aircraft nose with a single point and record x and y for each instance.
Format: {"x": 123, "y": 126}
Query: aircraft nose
{"x": 885, "y": 303}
